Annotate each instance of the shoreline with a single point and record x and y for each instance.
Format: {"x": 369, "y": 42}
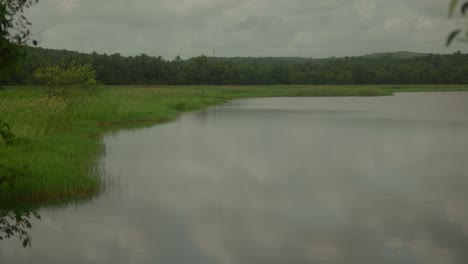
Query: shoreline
{"x": 61, "y": 140}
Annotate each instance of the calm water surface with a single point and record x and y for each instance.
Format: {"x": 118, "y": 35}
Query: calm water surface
{"x": 277, "y": 180}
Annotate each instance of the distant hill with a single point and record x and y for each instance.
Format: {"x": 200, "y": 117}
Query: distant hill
{"x": 263, "y": 60}
{"x": 302, "y": 60}
{"x": 293, "y": 60}
{"x": 396, "y": 55}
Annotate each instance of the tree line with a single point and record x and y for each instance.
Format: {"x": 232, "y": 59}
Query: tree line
{"x": 389, "y": 68}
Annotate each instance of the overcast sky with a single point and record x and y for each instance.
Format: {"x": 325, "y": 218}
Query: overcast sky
{"x": 307, "y": 28}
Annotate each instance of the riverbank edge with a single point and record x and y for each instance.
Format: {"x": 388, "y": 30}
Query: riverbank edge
{"x": 93, "y": 132}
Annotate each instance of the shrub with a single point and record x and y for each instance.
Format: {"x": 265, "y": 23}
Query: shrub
{"x": 6, "y": 134}
{"x": 68, "y": 80}
{"x": 9, "y": 169}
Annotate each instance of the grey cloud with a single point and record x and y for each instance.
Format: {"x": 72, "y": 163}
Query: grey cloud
{"x": 243, "y": 27}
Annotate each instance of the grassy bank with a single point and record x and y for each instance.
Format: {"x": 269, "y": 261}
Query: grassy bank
{"x": 60, "y": 140}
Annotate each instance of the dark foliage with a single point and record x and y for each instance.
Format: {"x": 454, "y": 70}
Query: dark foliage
{"x": 14, "y": 31}
{"x": 6, "y": 134}
{"x": 386, "y": 68}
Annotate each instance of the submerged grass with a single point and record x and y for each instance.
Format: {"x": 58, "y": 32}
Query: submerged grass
{"x": 60, "y": 140}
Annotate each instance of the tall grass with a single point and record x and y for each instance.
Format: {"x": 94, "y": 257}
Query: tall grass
{"x": 60, "y": 140}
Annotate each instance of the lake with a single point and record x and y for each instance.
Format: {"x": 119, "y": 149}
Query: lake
{"x": 276, "y": 180}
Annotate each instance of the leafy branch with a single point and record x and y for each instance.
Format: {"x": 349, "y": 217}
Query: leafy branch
{"x": 16, "y": 224}
{"x": 14, "y": 26}
{"x": 14, "y": 31}
{"x": 455, "y": 34}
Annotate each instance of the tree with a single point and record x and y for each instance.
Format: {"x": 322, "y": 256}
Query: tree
{"x": 66, "y": 81}
{"x": 14, "y": 31}
{"x": 456, "y": 33}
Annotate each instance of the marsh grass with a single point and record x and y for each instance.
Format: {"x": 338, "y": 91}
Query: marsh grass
{"x": 60, "y": 140}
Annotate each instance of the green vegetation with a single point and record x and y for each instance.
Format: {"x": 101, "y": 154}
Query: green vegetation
{"x": 60, "y": 139}
{"x": 68, "y": 80}
{"x": 384, "y": 68}
{"x": 14, "y": 35}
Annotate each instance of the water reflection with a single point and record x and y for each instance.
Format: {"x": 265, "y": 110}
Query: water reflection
{"x": 285, "y": 180}
{"x": 16, "y": 224}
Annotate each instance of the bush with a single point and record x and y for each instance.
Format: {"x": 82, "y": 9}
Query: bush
{"x": 68, "y": 80}
{"x": 6, "y": 134}
{"x": 9, "y": 169}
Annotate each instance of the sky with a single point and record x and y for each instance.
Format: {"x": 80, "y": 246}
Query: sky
{"x": 228, "y": 28}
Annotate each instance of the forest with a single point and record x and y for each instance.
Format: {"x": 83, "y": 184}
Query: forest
{"x": 384, "y": 68}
